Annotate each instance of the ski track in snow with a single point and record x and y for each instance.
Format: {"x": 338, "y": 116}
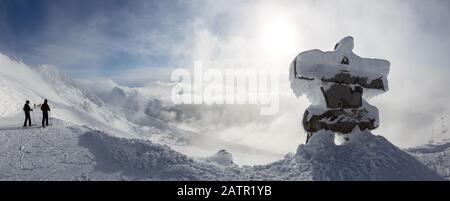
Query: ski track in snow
{"x": 69, "y": 152}
{"x": 123, "y": 112}
{"x": 40, "y": 154}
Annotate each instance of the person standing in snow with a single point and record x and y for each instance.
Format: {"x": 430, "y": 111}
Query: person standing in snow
{"x": 27, "y": 109}
{"x": 45, "y": 109}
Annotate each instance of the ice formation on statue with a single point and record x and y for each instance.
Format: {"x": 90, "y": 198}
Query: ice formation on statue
{"x": 337, "y": 84}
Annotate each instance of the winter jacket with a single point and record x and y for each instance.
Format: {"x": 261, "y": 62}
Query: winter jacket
{"x": 27, "y": 109}
{"x": 45, "y": 108}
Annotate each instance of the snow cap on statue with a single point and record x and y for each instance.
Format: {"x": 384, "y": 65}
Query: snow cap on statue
{"x": 313, "y": 68}
{"x": 345, "y": 45}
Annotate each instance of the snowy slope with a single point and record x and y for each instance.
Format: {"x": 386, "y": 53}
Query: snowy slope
{"x": 434, "y": 156}
{"x": 151, "y": 109}
{"x": 69, "y": 102}
{"x": 76, "y": 103}
{"x": 69, "y": 152}
{"x": 143, "y": 113}
{"x": 94, "y": 139}
{"x": 365, "y": 157}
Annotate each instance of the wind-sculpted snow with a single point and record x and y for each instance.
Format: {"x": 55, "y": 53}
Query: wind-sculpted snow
{"x": 69, "y": 152}
{"x": 222, "y": 157}
{"x": 65, "y": 86}
{"x": 152, "y": 161}
{"x": 434, "y": 156}
{"x": 365, "y": 157}
{"x": 99, "y": 150}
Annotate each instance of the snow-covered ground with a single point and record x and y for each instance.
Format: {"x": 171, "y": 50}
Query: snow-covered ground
{"x": 94, "y": 139}
{"x": 143, "y": 113}
{"x": 69, "y": 152}
{"x": 434, "y": 156}
{"x": 364, "y": 157}
{"x": 66, "y": 151}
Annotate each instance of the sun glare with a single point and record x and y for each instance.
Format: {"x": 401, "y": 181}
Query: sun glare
{"x": 278, "y": 34}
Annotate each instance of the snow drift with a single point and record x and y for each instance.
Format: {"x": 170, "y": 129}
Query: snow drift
{"x": 94, "y": 140}
{"x": 69, "y": 152}
{"x": 364, "y": 157}
{"x": 434, "y": 156}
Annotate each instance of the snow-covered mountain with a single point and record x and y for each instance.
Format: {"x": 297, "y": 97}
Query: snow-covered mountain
{"x": 144, "y": 112}
{"x": 434, "y": 156}
{"x": 125, "y": 114}
{"x": 152, "y": 105}
{"x": 110, "y": 134}
{"x": 70, "y": 102}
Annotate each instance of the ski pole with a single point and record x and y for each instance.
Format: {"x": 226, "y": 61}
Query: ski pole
{"x": 50, "y": 117}
{"x": 34, "y": 122}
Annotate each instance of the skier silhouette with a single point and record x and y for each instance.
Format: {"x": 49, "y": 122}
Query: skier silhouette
{"x": 27, "y": 109}
{"x": 45, "y": 109}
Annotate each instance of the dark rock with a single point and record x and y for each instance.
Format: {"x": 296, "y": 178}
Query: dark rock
{"x": 343, "y": 96}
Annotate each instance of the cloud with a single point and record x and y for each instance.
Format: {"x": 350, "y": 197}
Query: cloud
{"x": 142, "y": 41}
{"x": 102, "y": 36}
{"x": 141, "y": 76}
{"x": 411, "y": 35}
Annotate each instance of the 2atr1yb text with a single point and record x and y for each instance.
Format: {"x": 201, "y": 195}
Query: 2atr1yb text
{"x": 233, "y": 190}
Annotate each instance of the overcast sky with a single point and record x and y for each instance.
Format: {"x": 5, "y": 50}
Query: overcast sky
{"x": 134, "y": 42}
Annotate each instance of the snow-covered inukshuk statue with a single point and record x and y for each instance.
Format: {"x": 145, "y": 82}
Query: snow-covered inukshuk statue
{"x": 334, "y": 83}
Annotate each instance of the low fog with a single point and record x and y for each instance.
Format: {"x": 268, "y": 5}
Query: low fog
{"x": 412, "y": 35}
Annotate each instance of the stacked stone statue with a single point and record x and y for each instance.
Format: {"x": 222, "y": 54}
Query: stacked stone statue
{"x": 337, "y": 84}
